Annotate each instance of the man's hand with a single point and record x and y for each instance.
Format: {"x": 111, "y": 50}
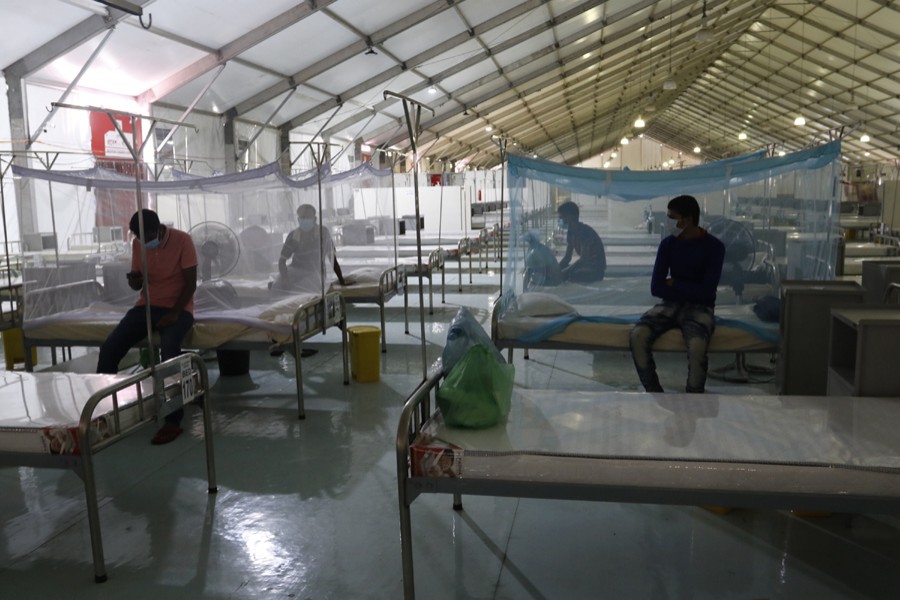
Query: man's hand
{"x": 670, "y": 282}
{"x": 135, "y": 279}
{"x": 167, "y": 319}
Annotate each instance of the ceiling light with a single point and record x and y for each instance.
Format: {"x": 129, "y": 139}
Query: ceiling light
{"x": 624, "y": 141}
{"x": 613, "y": 154}
{"x": 606, "y": 164}
{"x": 866, "y": 153}
{"x": 781, "y": 153}
{"x": 586, "y": 55}
{"x": 864, "y": 138}
{"x": 534, "y": 156}
{"x": 799, "y": 121}
{"x": 742, "y": 135}
{"x": 703, "y": 34}
{"x": 432, "y": 89}
{"x": 639, "y": 123}
{"x": 488, "y": 128}
{"x": 669, "y": 84}
{"x": 696, "y": 149}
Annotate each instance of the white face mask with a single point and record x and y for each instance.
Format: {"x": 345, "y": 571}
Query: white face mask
{"x": 672, "y": 226}
{"x": 307, "y": 224}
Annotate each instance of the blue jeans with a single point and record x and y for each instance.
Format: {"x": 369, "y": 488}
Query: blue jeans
{"x": 133, "y": 329}
{"x": 697, "y": 324}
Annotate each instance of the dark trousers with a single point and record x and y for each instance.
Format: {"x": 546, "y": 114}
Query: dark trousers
{"x": 133, "y": 329}
{"x": 697, "y": 323}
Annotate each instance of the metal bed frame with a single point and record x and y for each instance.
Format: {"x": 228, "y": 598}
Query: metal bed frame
{"x": 391, "y": 283}
{"x": 192, "y": 385}
{"x": 435, "y": 264}
{"x": 310, "y": 319}
{"x": 750, "y": 484}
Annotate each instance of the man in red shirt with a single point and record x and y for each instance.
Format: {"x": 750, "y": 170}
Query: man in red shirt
{"x": 171, "y": 281}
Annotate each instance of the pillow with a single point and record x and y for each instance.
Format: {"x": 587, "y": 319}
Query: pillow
{"x": 542, "y": 304}
{"x": 364, "y": 275}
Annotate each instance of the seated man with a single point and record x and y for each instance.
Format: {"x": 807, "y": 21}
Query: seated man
{"x": 171, "y": 277}
{"x": 541, "y": 268}
{"x": 584, "y": 241}
{"x": 303, "y": 247}
{"x": 685, "y": 275}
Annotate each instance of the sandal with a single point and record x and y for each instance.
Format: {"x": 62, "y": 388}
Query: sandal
{"x": 167, "y": 433}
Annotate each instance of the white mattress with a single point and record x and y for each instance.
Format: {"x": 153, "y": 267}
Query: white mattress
{"x": 681, "y": 441}
{"x": 39, "y": 412}
{"x": 259, "y": 323}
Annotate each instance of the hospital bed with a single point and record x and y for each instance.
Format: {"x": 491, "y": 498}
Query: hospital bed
{"x": 374, "y": 285}
{"x": 772, "y": 452}
{"x": 82, "y": 319}
{"x": 430, "y": 270}
{"x": 542, "y": 320}
{"x": 62, "y": 420}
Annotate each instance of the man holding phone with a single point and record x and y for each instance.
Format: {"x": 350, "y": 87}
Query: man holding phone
{"x": 171, "y": 275}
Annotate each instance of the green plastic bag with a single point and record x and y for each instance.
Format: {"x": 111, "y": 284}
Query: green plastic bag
{"x": 477, "y": 392}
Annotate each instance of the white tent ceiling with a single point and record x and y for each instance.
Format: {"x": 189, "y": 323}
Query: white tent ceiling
{"x": 564, "y": 79}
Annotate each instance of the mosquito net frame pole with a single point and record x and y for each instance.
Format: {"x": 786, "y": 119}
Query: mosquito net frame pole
{"x": 501, "y": 141}
{"x": 136, "y": 148}
{"x": 413, "y": 127}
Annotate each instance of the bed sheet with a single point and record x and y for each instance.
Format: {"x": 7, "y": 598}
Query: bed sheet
{"x": 40, "y": 412}
{"x": 550, "y": 433}
{"x": 738, "y": 329}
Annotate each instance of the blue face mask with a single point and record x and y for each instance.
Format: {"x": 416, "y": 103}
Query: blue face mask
{"x": 307, "y": 224}
{"x": 562, "y": 224}
{"x": 152, "y": 244}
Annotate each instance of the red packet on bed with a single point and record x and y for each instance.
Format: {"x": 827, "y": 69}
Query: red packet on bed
{"x": 432, "y": 457}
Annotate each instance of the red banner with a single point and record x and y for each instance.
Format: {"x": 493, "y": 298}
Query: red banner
{"x": 114, "y": 207}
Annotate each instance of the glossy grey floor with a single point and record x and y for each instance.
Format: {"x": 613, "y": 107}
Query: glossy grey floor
{"x": 308, "y": 509}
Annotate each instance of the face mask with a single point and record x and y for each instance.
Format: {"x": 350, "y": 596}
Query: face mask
{"x": 562, "y": 224}
{"x": 152, "y": 244}
{"x": 672, "y": 226}
{"x": 307, "y": 224}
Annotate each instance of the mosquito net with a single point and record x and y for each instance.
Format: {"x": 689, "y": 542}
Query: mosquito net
{"x": 778, "y": 219}
{"x": 263, "y": 240}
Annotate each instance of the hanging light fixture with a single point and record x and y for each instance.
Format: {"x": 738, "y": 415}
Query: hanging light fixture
{"x": 669, "y": 84}
{"x": 624, "y": 141}
{"x": 639, "y": 123}
{"x": 703, "y": 34}
{"x": 864, "y": 138}
{"x": 800, "y": 121}
{"x": 697, "y": 150}
{"x": 742, "y": 135}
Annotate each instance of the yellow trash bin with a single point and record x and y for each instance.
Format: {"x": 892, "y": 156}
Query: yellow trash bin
{"x": 365, "y": 352}
{"x": 14, "y": 348}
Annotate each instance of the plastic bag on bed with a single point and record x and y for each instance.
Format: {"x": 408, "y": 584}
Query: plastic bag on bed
{"x": 464, "y": 333}
{"x": 477, "y": 392}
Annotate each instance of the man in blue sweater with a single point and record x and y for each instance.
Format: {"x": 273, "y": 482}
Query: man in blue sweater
{"x": 685, "y": 276}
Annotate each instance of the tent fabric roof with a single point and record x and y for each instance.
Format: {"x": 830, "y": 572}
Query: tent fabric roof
{"x": 562, "y": 79}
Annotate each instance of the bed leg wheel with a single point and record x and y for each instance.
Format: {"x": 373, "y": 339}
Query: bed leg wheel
{"x": 213, "y": 490}
{"x": 100, "y": 578}
{"x": 457, "y": 506}
{"x": 301, "y": 417}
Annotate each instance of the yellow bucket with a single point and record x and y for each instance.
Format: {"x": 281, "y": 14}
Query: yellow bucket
{"x": 14, "y": 348}
{"x": 365, "y": 353}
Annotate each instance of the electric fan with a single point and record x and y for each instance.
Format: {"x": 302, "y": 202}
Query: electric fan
{"x": 740, "y": 251}
{"x": 218, "y": 249}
